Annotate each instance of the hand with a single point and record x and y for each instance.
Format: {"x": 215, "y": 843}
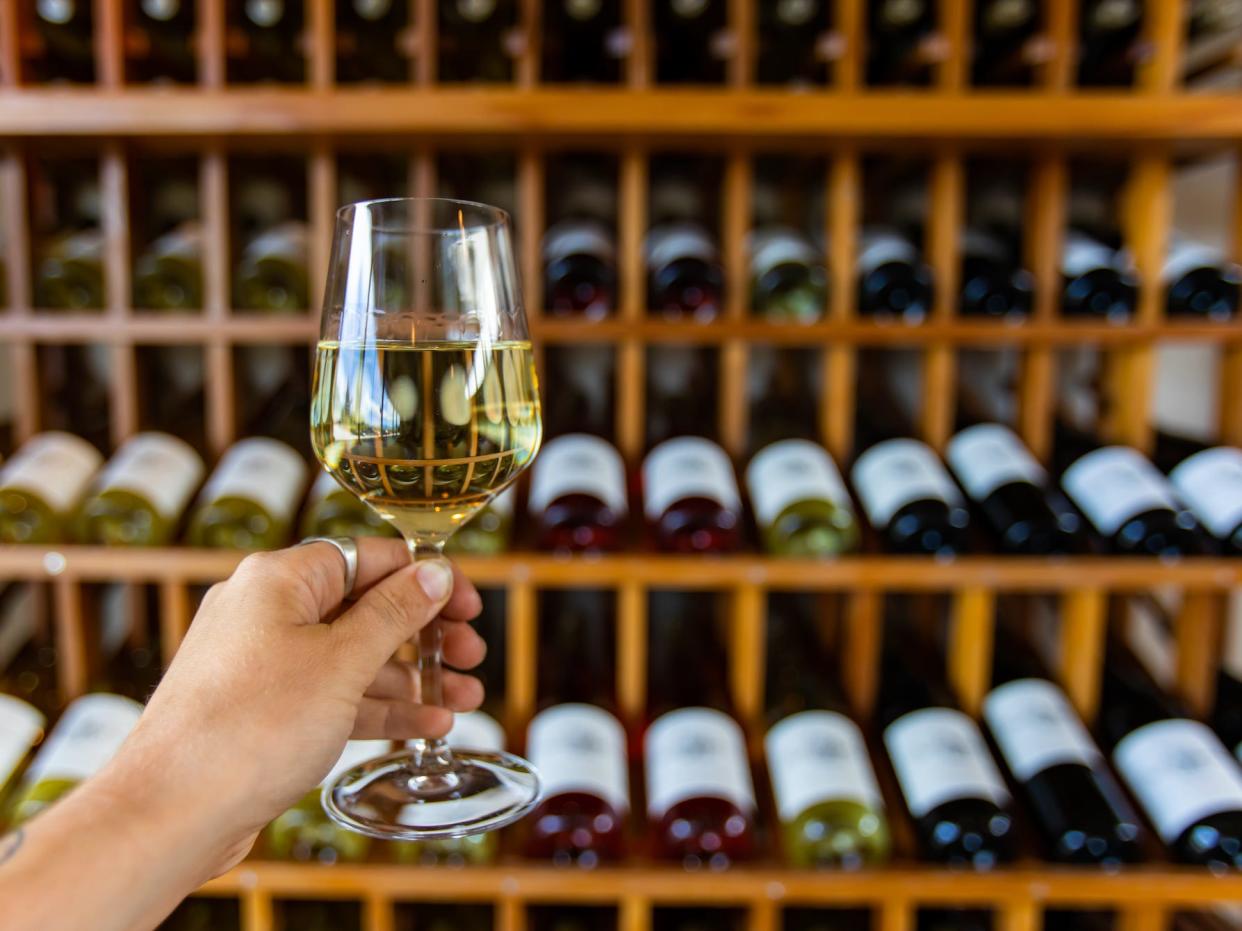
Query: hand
{"x": 262, "y": 695}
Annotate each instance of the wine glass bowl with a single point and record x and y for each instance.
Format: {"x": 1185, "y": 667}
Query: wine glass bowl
{"x": 426, "y": 405}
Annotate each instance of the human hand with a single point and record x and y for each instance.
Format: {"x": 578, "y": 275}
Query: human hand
{"x": 261, "y": 696}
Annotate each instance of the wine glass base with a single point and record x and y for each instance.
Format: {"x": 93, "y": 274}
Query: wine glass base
{"x": 385, "y": 798}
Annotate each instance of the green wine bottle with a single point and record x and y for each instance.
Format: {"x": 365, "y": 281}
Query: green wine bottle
{"x": 800, "y": 501}
{"x": 70, "y": 272}
{"x": 488, "y": 532}
{"x": 250, "y": 499}
{"x": 85, "y": 738}
{"x": 271, "y": 276}
{"x": 40, "y": 487}
{"x": 474, "y": 730}
{"x": 169, "y": 274}
{"x": 332, "y": 511}
{"x": 21, "y": 729}
{"x": 788, "y": 280}
{"x": 305, "y": 833}
{"x": 141, "y": 494}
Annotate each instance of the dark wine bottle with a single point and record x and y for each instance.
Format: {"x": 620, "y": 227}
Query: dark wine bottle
{"x": 1199, "y": 282}
{"x": 1109, "y": 33}
{"x": 893, "y": 281}
{"x": 897, "y": 32}
{"x": 691, "y": 40}
{"x": 1186, "y": 782}
{"x": 576, "y": 742}
{"x": 691, "y": 498}
{"x": 265, "y": 41}
{"x": 794, "y": 42}
{"x": 583, "y": 40}
{"x": 952, "y": 788}
{"x": 1097, "y": 280}
{"x": 1130, "y": 504}
{"x": 476, "y": 41}
{"x": 684, "y": 276}
{"x": 992, "y": 285}
{"x": 580, "y": 269}
{"x": 1210, "y": 483}
{"x": 1005, "y": 31}
{"x": 166, "y": 28}
{"x": 1227, "y": 713}
{"x": 578, "y": 494}
{"x": 1079, "y": 808}
{"x": 369, "y": 41}
{"x": 1011, "y": 490}
{"x": 910, "y": 499}
{"x": 67, "y": 30}
{"x": 700, "y": 795}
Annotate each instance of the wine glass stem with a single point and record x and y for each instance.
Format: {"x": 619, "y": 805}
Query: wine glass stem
{"x": 430, "y": 755}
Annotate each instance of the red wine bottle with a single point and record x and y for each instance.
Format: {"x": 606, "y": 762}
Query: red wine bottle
{"x": 700, "y": 795}
{"x": 577, "y": 494}
{"x": 690, "y": 497}
{"x": 580, "y": 269}
{"x": 576, "y": 742}
{"x": 684, "y": 275}
{"x": 910, "y": 499}
{"x": 893, "y": 281}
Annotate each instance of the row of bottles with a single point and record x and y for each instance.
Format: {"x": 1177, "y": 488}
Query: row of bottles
{"x": 1029, "y": 776}
{"x": 797, "y": 44}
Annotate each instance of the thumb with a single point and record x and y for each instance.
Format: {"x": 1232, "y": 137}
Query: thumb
{"x": 392, "y": 612}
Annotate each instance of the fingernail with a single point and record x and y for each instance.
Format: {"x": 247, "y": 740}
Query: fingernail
{"x": 436, "y": 579}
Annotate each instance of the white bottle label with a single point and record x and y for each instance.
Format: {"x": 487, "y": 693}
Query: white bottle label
{"x": 55, "y": 466}
{"x": 161, "y": 468}
{"x": 355, "y": 752}
{"x": 1113, "y": 484}
{"x": 578, "y": 464}
{"x": 1186, "y": 255}
{"x": 819, "y": 756}
{"x": 988, "y": 455}
{"x": 939, "y": 755}
{"x": 672, "y": 241}
{"x": 1180, "y": 772}
{"x": 85, "y": 738}
{"x": 1210, "y": 482}
{"x": 894, "y": 473}
{"x": 688, "y": 467}
{"x": 476, "y": 730}
{"x": 262, "y": 470}
{"x": 879, "y": 246}
{"x": 773, "y": 246}
{"x": 1081, "y": 254}
{"x": 185, "y": 240}
{"x": 580, "y": 748}
{"x": 20, "y": 727}
{"x": 693, "y": 752}
{"x": 792, "y": 470}
{"x": 578, "y": 237}
{"x": 1036, "y": 727}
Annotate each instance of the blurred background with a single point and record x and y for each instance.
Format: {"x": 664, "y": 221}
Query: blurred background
{"x": 878, "y": 570}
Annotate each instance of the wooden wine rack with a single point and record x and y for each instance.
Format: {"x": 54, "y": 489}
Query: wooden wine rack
{"x": 1149, "y": 126}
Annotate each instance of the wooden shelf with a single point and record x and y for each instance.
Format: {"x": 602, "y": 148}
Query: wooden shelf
{"x": 753, "y": 117}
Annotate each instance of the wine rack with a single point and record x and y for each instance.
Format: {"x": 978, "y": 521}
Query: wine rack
{"x": 1149, "y": 125}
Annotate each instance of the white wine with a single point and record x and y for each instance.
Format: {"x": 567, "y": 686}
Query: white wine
{"x": 250, "y": 499}
{"x": 425, "y": 433}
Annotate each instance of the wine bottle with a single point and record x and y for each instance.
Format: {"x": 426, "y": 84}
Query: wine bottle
{"x": 271, "y": 276}
{"x": 66, "y": 28}
{"x": 476, "y": 41}
{"x": 1078, "y": 806}
{"x": 681, "y": 392}
{"x": 690, "y": 39}
{"x": 70, "y": 273}
{"x": 800, "y": 502}
{"x": 166, "y": 29}
{"x": 369, "y": 41}
{"x": 1130, "y": 504}
{"x": 787, "y": 276}
{"x": 141, "y": 494}
{"x": 250, "y": 499}
{"x": 578, "y": 495}
{"x": 992, "y": 285}
{"x": 909, "y": 498}
{"x": 264, "y": 42}
{"x": 40, "y": 487}
{"x": 27, "y": 653}
{"x": 795, "y": 44}
{"x": 305, "y": 833}
{"x": 690, "y": 497}
{"x": 1199, "y": 281}
{"x": 898, "y": 31}
{"x": 1210, "y": 483}
{"x": 168, "y": 275}
{"x": 1011, "y": 491}
{"x": 85, "y": 738}
{"x": 21, "y": 729}
{"x": 578, "y": 387}
{"x": 700, "y": 796}
{"x": 1097, "y": 280}
{"x": 684, "y": 276}
{"x": 583, "y": 40}
{"x": 1184, "y": 779}
{"x": 783, "y": 388}
{"x": 1108, "y": 40}
{"x": 1004, "y": 33}
{"x": 575, "y": 741}
{"x": 580, "y": 269}
{"x": 952, "y": 788}
{"x": 1226, "y": 717}
{"x": 488, "y": 532}
{"x": 830, "y": 807}
{"x": 333, "y": 511}
{"x": 893, "y": 281}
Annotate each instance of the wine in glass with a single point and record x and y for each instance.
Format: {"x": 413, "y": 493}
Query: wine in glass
{"x": 425, "y": 405}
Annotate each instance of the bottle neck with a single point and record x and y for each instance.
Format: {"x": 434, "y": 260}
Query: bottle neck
{"x": 687, "y": 659}
{"x": 1130, "y": 697}
{"x": 577, "y": 663}
{"x": 799, "y": 671}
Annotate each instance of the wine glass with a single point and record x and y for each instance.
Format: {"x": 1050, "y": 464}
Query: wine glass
{"x": 425, "y": 405}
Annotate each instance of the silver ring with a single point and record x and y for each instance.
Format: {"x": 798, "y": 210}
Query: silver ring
{"x": 349, "y": 552}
